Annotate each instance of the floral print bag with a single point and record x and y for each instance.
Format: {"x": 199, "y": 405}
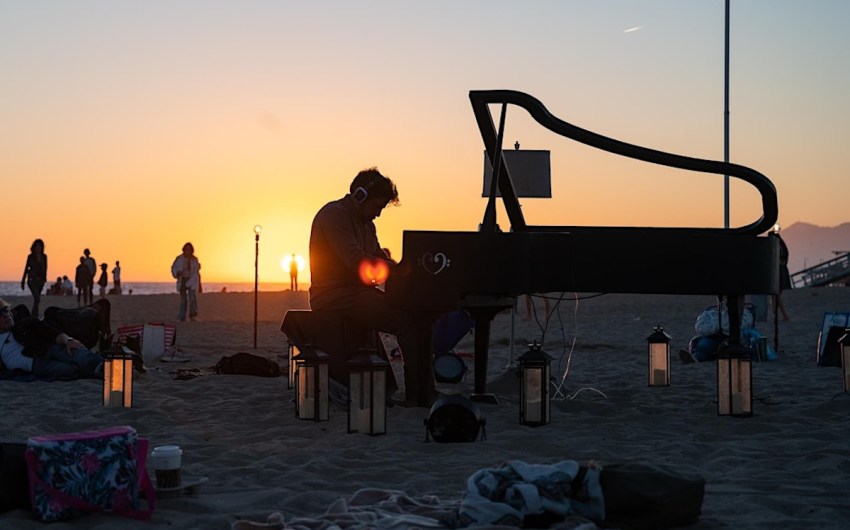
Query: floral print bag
{"x": 95, "y": 471}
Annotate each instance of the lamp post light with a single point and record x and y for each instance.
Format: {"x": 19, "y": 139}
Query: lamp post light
{"x": 117, "y": 377}
{"x": 367, "y": 388}
{"x": 257, "y": 230}
{"x": 534, "y": 386}
{"x": 658, "y": 360}
{"x": 844, "y": 341}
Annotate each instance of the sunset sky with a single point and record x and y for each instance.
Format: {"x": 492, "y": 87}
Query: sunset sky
{"x": 133, "y": 127}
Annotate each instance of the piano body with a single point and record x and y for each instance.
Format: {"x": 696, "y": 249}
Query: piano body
{"x": 483, "y": 271}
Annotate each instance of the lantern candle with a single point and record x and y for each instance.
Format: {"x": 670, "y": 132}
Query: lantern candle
{"x": 117, "y": 377}
{"x": 534, "y": 386}
{"x": 658, "y": 352}
{"x": 312, "y": 385}
{"x": 367, "y": 393}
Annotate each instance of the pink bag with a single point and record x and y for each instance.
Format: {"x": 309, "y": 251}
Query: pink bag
{"x": 96, "y": 471}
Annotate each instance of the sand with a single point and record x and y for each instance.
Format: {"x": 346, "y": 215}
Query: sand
{"x": 787, "y": 466}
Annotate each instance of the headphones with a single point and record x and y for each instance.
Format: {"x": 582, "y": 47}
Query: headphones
{"x": 361, "y": 193}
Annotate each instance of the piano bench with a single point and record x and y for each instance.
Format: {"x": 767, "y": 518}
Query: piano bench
{"x": 333, "y": 332}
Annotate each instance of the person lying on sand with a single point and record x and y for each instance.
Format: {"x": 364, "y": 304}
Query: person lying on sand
{"x": 33, "y": 346}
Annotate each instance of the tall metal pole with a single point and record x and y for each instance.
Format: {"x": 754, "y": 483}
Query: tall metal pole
{"x": 726, "y": 124}
{"x": 257, "y": 230}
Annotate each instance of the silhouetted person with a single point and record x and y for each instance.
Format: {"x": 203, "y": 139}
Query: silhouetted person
{"x": 103, "y": 281}
{"x": 784, "y": 276}
{"x": 293, "y": 274}
{"x": 91, "y": 264}
{"x": 187, "y": 270}
{"x": 67, "y": 286}
{"x": 83, "y": 279}
{"x": 35, "y": 273}
{"x": 56, "y": 288}
{"x": 116, "y": 277}
{"x": 343, "y": 236}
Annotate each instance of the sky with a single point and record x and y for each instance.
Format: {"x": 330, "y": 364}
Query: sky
{"x": 131, "y": 128}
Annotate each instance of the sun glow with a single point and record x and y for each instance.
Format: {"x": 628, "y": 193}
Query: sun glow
{"x": 286, "y": 262}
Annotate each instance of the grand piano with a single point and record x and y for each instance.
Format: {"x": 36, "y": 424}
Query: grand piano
{"x": 483, "y": 271}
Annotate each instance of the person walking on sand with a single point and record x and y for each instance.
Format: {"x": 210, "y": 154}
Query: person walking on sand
{"x": 186, "y": 269}
{"x": 35, "y": 273}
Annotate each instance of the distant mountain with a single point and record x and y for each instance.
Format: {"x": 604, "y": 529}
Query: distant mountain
{"x": 809, "y": 245}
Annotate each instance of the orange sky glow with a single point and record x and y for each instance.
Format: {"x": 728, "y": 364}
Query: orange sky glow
{"x": 132, "y": 128}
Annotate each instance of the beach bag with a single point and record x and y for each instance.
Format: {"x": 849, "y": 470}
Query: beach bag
{"x": 247, "y": 364}
{"x": 156, "y": 339}
{"x": 95, "y": 471}
{"x": 708, "y": 323}
{"x": 14, "y": 484}
{"x": 640, "y": 497}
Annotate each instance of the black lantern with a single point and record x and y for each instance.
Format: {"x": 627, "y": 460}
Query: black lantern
{"x": 658, "y": 360}
{"x": 844, "y": 342}
{"x": 534, "y": 386}
{"x": 734, "y": 381}
{"x": 311, "y": 385}
{"x": 118, "y": 377}
{"x": 367, "y": 393}
{"x": 293, "y": 360}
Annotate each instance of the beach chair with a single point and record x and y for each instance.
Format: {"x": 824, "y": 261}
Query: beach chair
{"x": 157, "y": 340}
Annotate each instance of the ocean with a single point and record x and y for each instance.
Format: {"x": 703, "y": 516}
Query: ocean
{"x": 14, "y": 288}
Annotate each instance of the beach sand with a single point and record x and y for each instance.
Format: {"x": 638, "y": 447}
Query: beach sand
{"x": 787, "y": 466}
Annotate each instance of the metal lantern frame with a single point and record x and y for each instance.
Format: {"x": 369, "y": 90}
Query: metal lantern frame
{"x": 291, "y": 364}
{"x": 734, "y": 381}
{"x": 844, "y": 344}
{"x": 311, "y": 385}
{"x": 118, "y": 377}
{"x": 367, "y": 393}
{"x": 534, "y": 397}
{"x": 658, "y": 357}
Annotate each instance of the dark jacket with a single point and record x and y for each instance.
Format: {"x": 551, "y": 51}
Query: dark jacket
{"x": 35, "y": 336}
{"x": 339, "y": 241}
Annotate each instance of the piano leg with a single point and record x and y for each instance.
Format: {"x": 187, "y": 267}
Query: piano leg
{"x": 418, "y": 367}
{"x": 482, "y": 316}
{"x": 735, "y": 307}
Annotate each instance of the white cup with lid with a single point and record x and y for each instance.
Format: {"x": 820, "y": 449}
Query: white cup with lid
{"x": 167, "y": 461}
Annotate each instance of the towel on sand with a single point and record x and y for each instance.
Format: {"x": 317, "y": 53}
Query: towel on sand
{"x": 521, "y": 494}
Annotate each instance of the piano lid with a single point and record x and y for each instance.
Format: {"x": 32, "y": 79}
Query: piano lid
{"x": 481, "y": 99}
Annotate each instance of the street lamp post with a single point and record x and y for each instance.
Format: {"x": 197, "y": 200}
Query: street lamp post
{"x": 257, "y": 230}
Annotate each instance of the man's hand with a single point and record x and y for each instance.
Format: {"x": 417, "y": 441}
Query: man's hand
{"x": 71, "y": 344}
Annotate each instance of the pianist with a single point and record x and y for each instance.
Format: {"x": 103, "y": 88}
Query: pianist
{"x": 342, "y": 240}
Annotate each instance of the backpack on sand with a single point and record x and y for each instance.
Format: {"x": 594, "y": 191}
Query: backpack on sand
{"x": 243, "y": 363}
